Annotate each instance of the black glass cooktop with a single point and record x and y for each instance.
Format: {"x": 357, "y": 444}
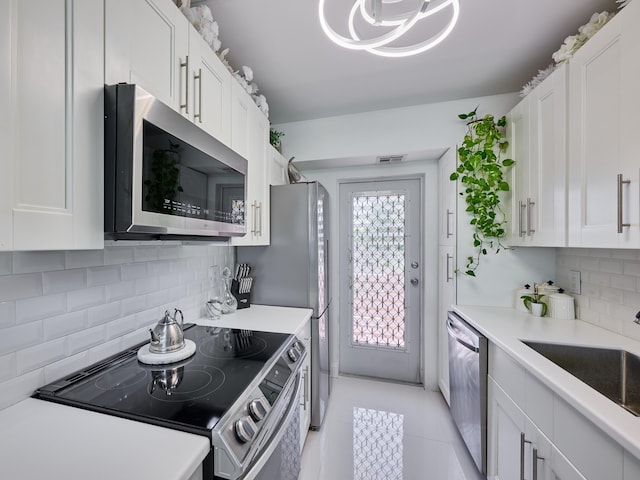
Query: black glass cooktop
{"x": 192, "y": 394}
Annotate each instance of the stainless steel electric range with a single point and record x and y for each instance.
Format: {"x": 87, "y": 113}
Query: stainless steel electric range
{"x": 240, "y": 390}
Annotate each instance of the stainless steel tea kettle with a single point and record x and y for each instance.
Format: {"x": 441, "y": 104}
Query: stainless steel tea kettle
{"x": 167, "y": 336}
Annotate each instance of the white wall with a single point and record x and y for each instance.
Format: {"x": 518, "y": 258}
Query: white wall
{"x": 384, "y": 132}
{"x": 61, "y": 311}
{"x": 413, "y": 129}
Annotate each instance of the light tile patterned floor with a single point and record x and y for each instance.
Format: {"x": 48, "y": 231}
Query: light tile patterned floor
{"x": 385, "y": 431}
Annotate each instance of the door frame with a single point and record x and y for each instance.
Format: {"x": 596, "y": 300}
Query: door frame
{"x": 423, "y": 258}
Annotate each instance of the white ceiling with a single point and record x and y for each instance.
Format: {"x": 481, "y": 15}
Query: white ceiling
{"x": 496, "y": 47}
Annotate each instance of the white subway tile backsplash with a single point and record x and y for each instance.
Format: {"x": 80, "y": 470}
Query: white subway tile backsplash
{"x": 103, "y": 275}
{"x": 83, "y": 258}
{"x": 85, "y": 339}
{"x": 7, "y": 367}
{"x": 62, "y": 311}
{"x": 103, "y": 313}
{"x": 118, "y": 291}
{"x": 64, "y": 280}
{"x": 145, "y": 254}
{"x": 37, "y": 308}
{"x": 6, "y": 263}
{"x": 20, "y": 387}
{"x": 13, "y": 287}
{"x": 85, "y": 298}
{"x": 66, "y": 324}
{"x": 146, "y": 285}
{"x": 120, "y": 327}
{"x": 21, "y": 336}
{"x": 133, "y": 271}
{"x": 117, "y": 255}
{"x": 133, "y": 305}
{"x": 62, "y": 368}
{"x": 40, "y": 355}
{"x": 610, "y": 289}
{"x": 7, "y": 314}
{"x": 29, "y": 262}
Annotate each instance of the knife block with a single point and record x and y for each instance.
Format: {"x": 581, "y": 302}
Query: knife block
{"x": 242, "y": 298}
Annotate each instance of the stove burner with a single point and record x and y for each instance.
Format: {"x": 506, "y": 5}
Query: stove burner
{"x": 121, "y": 380}
{"x": 233, "y": 344}
{"x": 176, "y": 385}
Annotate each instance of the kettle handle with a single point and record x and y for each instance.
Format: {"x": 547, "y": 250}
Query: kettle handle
{"x": 175, "y": 317}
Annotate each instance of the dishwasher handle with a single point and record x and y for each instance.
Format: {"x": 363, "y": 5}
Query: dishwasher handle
{"x": 462, "y": 342}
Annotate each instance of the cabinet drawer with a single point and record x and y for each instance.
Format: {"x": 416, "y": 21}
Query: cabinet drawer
{"x": 507, "y": 373}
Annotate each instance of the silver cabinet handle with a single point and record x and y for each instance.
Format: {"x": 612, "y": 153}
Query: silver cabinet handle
{"x": 535, "y": 463}
{"x": 522, "y": 442}
{"x": 254, "y": 230}
{"x": 199, "y": 78}
{"x": 530, "y": 205}
{"x": 259, "y": 218}
{"x": 620, "y": 183}
{"x": 306, "y": 387}
{"x": 521, "y": 231}
{"x": 449, "y": 215}
{"x": 449, "y": 277}
{"x": 185, "y": 65}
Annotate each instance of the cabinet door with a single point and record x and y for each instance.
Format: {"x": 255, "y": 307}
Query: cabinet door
{"x": 6, "y": 127}
{"x": 447, "y": 208}
{"x": 508, "y": 448}
{"x": 519, "y": 150}
{"x": 305, "y": 391}
{"x": 58, "y": 101}
{"x": 249, "y": 135}
{"x": 147, "y": 43}
{"x": 211, "y": 84}
{"x": 446, "y": 298}
{"x": 546, "y": 200}
{"x": 602, "y": 106}
{"x": 277, "y": 166}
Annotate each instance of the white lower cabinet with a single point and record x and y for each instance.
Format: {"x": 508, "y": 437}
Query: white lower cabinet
{"x": 533, "y": 434}
{"x": 305, "y": 391}
{"x": 53, "y": 103}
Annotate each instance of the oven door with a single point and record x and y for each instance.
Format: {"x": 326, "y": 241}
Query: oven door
{"x": 280, "y": 457}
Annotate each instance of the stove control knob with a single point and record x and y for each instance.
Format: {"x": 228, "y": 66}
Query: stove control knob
{"x": 245, "y": 429}
{"x": 293, "y": 355}
{"x": 298, "y": 346}
{"x": 258, "y": 409}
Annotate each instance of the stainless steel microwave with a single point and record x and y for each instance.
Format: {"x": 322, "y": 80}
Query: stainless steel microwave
{"x": 165, "y": 177}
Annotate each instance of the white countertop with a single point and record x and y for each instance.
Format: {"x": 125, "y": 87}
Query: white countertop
{"x": 40, "y": 439}
{"x": 506, "y": 327}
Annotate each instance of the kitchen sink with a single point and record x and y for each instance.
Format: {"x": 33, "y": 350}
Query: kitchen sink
{"x": 614, "y": 373}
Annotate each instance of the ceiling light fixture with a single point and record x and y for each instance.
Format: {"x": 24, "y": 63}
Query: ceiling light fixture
{"x": 397, "y": 24}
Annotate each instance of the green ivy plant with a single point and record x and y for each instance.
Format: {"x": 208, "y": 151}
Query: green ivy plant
{"x": 274, "y": 138}
{"x": 482, "y": 174}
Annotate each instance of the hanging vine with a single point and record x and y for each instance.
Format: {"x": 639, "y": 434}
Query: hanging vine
{"x": 482, "y": 174}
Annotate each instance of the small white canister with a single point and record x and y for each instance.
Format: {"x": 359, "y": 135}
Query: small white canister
{"x": 527, "y": 290}
{"x": 561, "y": 306}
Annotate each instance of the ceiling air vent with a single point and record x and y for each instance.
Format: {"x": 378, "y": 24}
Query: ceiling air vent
{"x": 391, "y": 158}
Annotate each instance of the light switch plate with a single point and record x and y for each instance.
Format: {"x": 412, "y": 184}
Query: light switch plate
{"x": 574, "y": 282}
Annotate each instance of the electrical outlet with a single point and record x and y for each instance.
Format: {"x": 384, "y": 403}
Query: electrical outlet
{"x": 574, "y": 282}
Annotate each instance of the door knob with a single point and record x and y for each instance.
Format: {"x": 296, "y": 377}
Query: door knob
{"x": 414, "y": 281}
{"x": 414, "y": 265}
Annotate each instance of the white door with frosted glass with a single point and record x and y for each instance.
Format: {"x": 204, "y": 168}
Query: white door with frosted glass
{"x": 380, "y": 279}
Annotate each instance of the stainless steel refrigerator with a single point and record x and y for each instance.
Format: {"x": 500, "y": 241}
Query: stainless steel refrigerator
{"x": 293, "y": 271}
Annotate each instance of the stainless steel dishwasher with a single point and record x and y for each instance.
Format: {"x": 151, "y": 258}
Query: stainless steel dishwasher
{"x": 468, "y": 386}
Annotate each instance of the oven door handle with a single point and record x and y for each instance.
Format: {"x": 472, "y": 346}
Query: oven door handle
{"x": 292, "y": 409}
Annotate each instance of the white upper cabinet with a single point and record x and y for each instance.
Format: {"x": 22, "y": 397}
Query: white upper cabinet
{"x": 249, "y": 137}
{"x": 536, "y": 130}
{"x": 446, "y": 166}
{"x": 278, "y": 166}
{"x": 211, "y": 82}
{"x": 604, "y": 165}
{"x": 53, "y": 81}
